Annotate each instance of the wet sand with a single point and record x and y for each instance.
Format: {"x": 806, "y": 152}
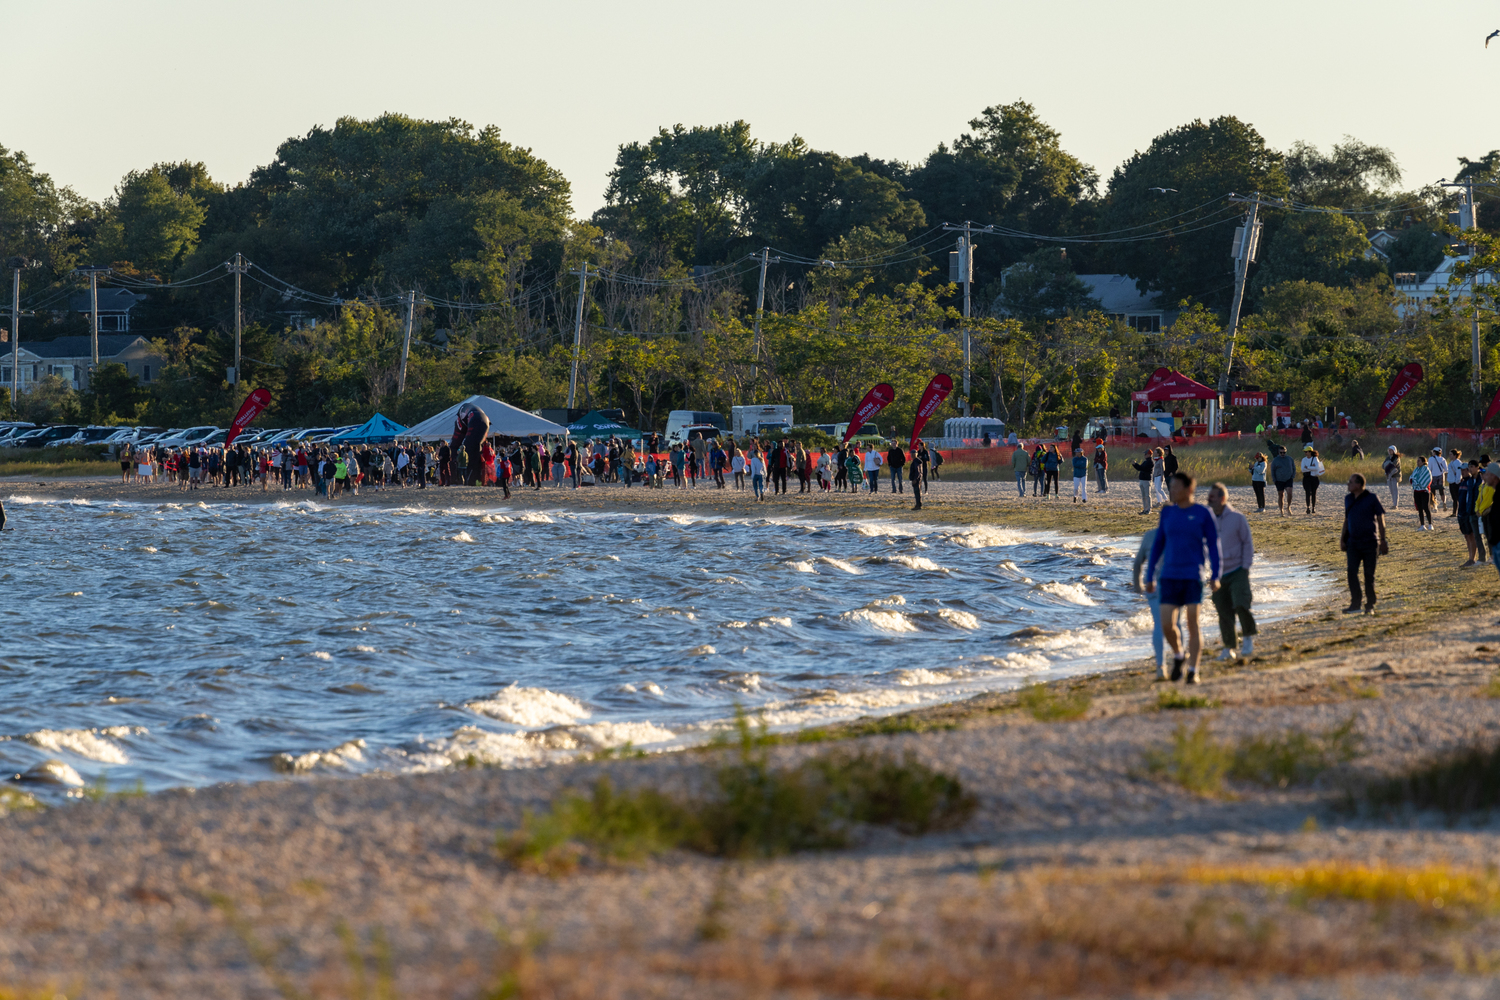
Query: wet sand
{"x": 1080, "y": 873}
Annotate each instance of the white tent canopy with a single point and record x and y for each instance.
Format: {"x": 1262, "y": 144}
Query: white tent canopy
{"x": 504, "y": 419}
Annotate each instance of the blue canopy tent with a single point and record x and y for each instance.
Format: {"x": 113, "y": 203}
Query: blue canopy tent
{"x": 595, "y": 424}
{"x": 379, "y": 429}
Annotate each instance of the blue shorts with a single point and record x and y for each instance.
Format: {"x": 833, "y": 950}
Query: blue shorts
{"x": 1180, "y": 592}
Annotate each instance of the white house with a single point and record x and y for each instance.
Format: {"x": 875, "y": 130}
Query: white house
{"x": 1124, "y": 302}
{"x": 72, "y": 357}
{"x": 1418, "y": 288}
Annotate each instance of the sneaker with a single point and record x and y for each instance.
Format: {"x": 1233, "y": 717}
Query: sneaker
{"x": 1226, "y": 654}
{"x": 1247, "y": 647}
{"x": 1161, "y": 671}
{"x": 1192, "y": 677}
{"x": 1176, "y": 668}
{"x": 1370, "y": 611}
{"x": 1353, "y": 609}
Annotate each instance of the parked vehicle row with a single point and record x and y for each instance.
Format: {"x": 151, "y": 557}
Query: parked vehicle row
{"x": 20, "y": 434}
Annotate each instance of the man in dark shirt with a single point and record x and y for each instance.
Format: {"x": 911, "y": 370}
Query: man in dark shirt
{"x": 1363, "y": 538}
{"x": 895, "y": 459}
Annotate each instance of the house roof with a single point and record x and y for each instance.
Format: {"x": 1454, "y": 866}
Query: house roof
{"x": 111, "y": 300}
{"x": 110, "y": 344}
{"x": 1118, "y": 294}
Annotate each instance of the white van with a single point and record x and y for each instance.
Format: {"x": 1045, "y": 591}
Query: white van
{"x": 705, "y": 423}
{"x": 759, "y": 419}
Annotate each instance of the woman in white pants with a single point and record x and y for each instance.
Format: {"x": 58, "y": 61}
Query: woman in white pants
{"x": 1159, "y": 474}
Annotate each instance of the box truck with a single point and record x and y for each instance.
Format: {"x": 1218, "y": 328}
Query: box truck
{"x": 759, "y": 419}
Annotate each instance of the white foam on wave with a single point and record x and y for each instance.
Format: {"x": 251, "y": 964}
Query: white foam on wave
{"x": 1073, "y": 593}
{"x": 875, "y": 530}
{"x": 802, "y": 565}
{"x": 847, "y": 567}
{"x": 923, "y": 677}
{"x": 93, "y": 744}
{"x": 986, "y": 536}
{"x": 608, "y": 735}
{"x": 533, "y": 517}
{"x": 703, "y": 650}
{"x": 468, "y": 744}
{"x": 320, "y": 654}
{"x": 462, "y": 536}
{"x": 530, "y": 707}
{"x": 496, "y": 519}
{"x": 894, "y": 601}
{"x": 340, "y": 758}
{"x": 885, "y": 621}
{"x": 921, "y": 563}
{"x": 958, "y": 619}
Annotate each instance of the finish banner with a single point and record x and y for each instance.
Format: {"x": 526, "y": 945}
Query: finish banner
{"x": 1405, "y": 381}
{"x": 937, "y": 392}
{"x": 254, "y": 405}
{"x": 875, "y": 400}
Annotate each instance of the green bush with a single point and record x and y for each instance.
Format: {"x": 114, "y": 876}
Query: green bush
{"x": 1200, "y": 763}
{"x": 1046, "y": 705}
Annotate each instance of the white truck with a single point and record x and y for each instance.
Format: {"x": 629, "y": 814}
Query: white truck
{"x": 759, "y": 419}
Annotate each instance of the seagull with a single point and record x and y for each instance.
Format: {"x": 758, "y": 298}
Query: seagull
{"x": 1489, "y": 36}
{"x": 1174, "y": 190}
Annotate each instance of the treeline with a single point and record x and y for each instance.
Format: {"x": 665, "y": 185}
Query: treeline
{"x": 345, "y": 220}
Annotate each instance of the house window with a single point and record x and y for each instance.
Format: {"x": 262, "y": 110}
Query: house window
{"x": 1145, "y": 324}
{"x": 4, "y": 374}
{"x": 34, "y": 371}
{"x": 111, "y": 323}
{"x": 145, "y": 373}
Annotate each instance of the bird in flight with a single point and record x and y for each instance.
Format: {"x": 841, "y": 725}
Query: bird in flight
{"x": 1489, "y": 36}
{"x": 1174, "y": 190}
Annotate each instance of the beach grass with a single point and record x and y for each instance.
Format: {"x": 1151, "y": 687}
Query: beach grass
{"x": 1045, "y": 704}
{"x": 1201, "y": 763}
{"x": 1460, "y": 783}
{"x": 55, "y": 462}
{"x": 753, "y": 809}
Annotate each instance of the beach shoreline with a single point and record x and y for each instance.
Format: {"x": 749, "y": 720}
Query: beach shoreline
{"x": 165, "y": 895}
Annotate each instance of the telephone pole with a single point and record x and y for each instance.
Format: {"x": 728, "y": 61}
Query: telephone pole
{"x": 963, "y": 258}
{"x": 237, "y": 267}
{"x": 760, "y": 307}
{"x": 1246, "y": 246}
{"x": 16, "y": 263}
{"x": 411, "y": 308}
{"x": 583, "y": 277}
{"x": 1468, "y": 218}
{"x": 93, "y": 271}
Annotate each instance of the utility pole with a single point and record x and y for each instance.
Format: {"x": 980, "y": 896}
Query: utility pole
{"x": 411, "y": 308}
{"x": 583, "y": 277}
{"x": 16, "y": 263}
{"x": 1247, "y": 244}
{"x": 237, "y": 267}
{"x": 1476, "y": 362}
{"x": 760, "y": 307}
{"x": 965, "y": 262}
{"x": 93, "y": 271}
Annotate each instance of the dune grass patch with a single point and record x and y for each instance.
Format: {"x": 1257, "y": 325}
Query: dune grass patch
{"x": 1428, "y": 888}
{"x": 1458, "y": 783}
{"x": 751, "y": 809}
{"x": 1201, "y": 763}
{"x": 1046, "y": 705}
{"x": 1174, "y": 700}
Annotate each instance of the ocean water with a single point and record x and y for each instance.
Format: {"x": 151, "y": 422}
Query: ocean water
{"x": 187, "y": 644}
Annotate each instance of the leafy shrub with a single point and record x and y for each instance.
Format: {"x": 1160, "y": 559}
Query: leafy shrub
{"x": 1200, "y": 763}
{"x": 1046, "y": 705}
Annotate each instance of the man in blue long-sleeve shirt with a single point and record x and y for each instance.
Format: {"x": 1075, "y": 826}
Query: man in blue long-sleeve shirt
{"x": 1185, "y": 531}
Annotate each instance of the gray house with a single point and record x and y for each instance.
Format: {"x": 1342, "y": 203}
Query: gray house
{"x": 114, "y": 308}
{"x": 1122, "y": 301}
{"x": 72, "y": 357}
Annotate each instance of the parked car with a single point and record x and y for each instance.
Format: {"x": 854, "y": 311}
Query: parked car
{"x": 93, "y": 434}
{"x": 282, "y": 437}
{"x": 191, "y": 436}
{"x": 44, "y": 435}
{"x": 12, "y": 429}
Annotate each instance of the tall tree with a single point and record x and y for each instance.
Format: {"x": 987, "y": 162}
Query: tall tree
{"x": 1179, "y": 241}
{"x": 152, "y": 222}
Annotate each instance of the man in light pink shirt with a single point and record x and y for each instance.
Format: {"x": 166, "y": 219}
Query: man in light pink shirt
{"x": 1237, "y": 552}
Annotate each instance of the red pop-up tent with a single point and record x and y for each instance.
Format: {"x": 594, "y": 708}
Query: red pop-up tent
{"x": 1174, "y": 386}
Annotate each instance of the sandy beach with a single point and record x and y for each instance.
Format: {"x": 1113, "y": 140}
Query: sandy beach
{"x": 1084, "y": 869}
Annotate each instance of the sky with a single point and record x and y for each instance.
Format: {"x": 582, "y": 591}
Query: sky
{"x": 110, "y": 87}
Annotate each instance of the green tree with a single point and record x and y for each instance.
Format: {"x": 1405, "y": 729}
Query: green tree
{"x": 114, "y": 396}
{"x": 37, "y": 219}
{"x": 1204, "y": 162}
{"x": 1323, "y": 247}
{"x": 1043, "y": 286}
{"x": 1417, "y": 249}
{"x": 50, "y": 401}
{"x": 152, "y": 223}
{"x": 1348, "y": 177}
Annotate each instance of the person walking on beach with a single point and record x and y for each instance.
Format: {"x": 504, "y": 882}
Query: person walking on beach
{"x": 1183, "y": 533}
{"x": 1282, "y": 473}
{"x": 1258, "y": 481}
{"x": 1159, "y": 476}
{"x": 1439, "y": 470}
{"x": 1237, "y": 553}
{"x": 873, "y": 462}
{"x": 914, "y": 476}
{"x": 1038, "y": 469}
{"x": 1465, "y": 493}
{"x": 1101, "y": 466}
{"x": 1153, "y": 600}
{"x": 1363, "y": 540}
{"x": 1312, "y": 470}
{"x": 1143, "y": 471}
{"x": 1421, "y": 493}
{"x": 1169, "y": 464}
{"x": 1454, "y": 476}
{"x": 896, "y": 460}
{"x": 1051, "y": 463}
{"x": 1020, "y": 462}
{"x": 1080, "y": 476}
{"x": 758, "y": 475}
{"x": 1392, "y": 469}
{"x": 1487, "y": 511}
{"x": 851, "y": 469}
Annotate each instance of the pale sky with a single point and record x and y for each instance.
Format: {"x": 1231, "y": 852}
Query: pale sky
{"x": 96, "y": 89}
